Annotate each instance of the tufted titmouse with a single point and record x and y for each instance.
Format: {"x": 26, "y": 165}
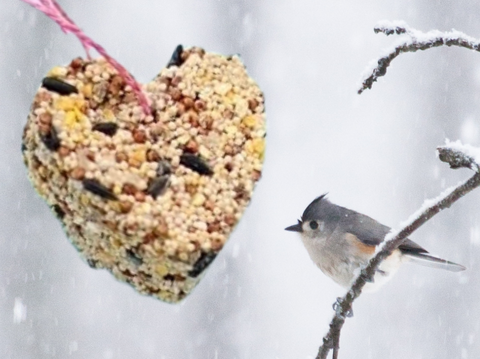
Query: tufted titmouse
{"x": 341, "y": 242}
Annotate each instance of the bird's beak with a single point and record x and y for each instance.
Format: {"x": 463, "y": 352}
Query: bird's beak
{"x": 295, "y": 228}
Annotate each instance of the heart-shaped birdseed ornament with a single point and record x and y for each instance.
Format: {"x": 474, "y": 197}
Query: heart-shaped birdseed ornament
{"x": 151, "y": 198}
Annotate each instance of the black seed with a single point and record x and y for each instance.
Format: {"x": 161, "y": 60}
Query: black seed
{"x": 195, "y": 163}
{"x": 152, "y": 291}
{"x": 158, "y": 185}
{"x": 230, "y": 57}
{"x": 164, "y": 168}
{"x": 108, "y": 128}
{"x": 92, "y": 263}
{"x": 132, "y": 257}
{"x": 155, "y": 115}
{"x": 24, "y": 147}
{"x": 50, "y": 140}
{"x": 97, "y": 188}
{"x": 58, "y": 211}
{"x": 169, "y": 277}
{"x": 202, "y": 263}
{"x": 176, "y": 59}
{"x": 58, "y": 86}
{"x": 129, "y": 275}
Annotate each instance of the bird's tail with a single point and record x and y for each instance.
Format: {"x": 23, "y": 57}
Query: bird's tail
{"x": 426, "y": 259}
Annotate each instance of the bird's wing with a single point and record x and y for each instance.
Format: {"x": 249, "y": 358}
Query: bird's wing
{"x": 410, "y": 247}
{"x": 371, "y": 232}
{"x": 366, "y": 229}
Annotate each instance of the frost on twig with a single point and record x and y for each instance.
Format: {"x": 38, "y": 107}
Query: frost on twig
{"x": 412, "y": 40}
{"x": 56, "y": 13}
{"x": 457, "y": 155}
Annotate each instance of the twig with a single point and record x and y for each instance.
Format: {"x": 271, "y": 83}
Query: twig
{"x": 457, "y": 155}
{"x": 416, "y": 40}
{"x": 57, "y": 14}
{"x": 336, "y": 346}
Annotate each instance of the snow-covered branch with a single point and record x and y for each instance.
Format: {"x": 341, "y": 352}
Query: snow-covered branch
{"x": 457, "y": 155}
{"x": 412, "y": 40}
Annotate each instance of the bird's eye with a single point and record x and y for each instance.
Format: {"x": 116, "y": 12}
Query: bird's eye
{"x": 313, "y": 225}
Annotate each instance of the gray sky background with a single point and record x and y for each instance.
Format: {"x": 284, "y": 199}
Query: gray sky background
{"x": 262, "y": 297}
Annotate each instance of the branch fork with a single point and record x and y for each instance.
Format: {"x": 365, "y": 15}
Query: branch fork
{"x": 412, "y": 40}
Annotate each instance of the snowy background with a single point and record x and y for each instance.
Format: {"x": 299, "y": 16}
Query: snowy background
{"x": 262, "y": 297}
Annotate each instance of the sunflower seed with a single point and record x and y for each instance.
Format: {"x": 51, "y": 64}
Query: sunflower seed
{"x": 58, "y": 86}
{"x": 202, "y": 263}
{"x": 92, "y": 263}
{"x": 133, "y": 258}
{"x": 169, "y": 277}
{"x": 58, "y": 211}
{"x": 176, "y": 59}
{"x": 195, "y": 163}
{"x": 108, "y": 128}
{"x": 97, "y": 188}
{"x": 158, "y": 186}
{"x": 164, "y": 168}
{"x": 51, "y": 140}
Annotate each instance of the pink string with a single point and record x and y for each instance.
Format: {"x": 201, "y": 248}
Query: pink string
{"x": 56, "y": 13}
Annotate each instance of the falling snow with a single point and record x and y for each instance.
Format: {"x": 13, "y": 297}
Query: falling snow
{"x": 19, "y": 311}
{"x": 262, "y": 298}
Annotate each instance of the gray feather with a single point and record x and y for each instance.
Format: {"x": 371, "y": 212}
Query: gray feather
{"x": 428, "y": 260}
{"x": 368, "y": 230}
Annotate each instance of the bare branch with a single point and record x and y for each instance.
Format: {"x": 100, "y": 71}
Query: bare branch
{"x": 451, "y": 153}
{"x": 414, "y": 40}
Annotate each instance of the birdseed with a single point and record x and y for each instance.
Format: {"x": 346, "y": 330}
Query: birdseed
{"x": 50, "y": 139}
{"x": 176, "y": 59}
{"x": 195, "y": 163}
{"x": 157, "y": 186}
{"x": 154, "y": 198}
{"x": 108, "y": 128}
{"x": 58, "y": 86}
{"x": 92, "y": 185}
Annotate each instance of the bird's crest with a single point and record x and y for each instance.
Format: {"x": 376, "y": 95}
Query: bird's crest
{"x": 313, "y": 207}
